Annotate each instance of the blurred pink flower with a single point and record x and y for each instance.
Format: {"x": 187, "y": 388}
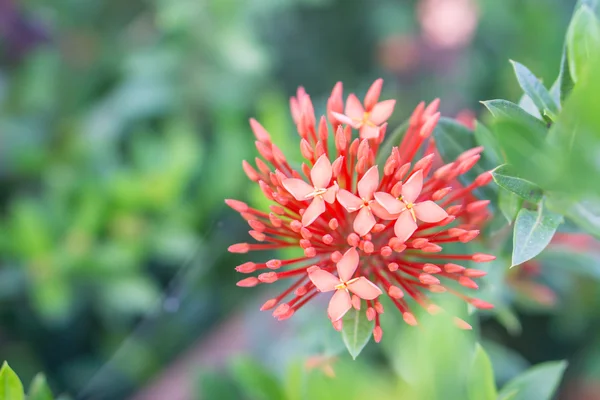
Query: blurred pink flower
{"x": 448, "y": 24}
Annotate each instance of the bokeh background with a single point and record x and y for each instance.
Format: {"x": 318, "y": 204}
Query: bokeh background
{"x": 122, "y": 129}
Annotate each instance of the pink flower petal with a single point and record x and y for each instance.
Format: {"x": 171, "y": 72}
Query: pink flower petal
{"x": 389, "y": 202}
{"x": 369, "y": 132}
{"x": 348, "y": 264}
{"x": 349, "y": 201}
{"x": 405, "y": 226}
{"x": 298, "y": 188}
{"x": 339, "y": 305}
{"x": 364, "y": 222}
{"x": 321, "y": 172}
{"x": 428, "y": 211}
{"x": 381, "y": 212}
{"x": 369, "y": 183}
{"x": 373, "y": 94}
{"x": 412, "y": 187}
{"x": 329, "y": 195}
{"x": 354, "y": 108}
{"x": 364, "y": 288}
{"x": 382, "y": 111}
{"x": 323, "y": 280}
{"x": 344, "y": 119}
{"x": 316, "y": 208}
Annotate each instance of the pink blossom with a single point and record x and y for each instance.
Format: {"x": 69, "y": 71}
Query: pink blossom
{"x": 326, "y": 282}
{"x": 367, "y": 119}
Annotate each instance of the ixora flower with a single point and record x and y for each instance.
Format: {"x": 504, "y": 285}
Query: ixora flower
{"x": 364, "y": 229}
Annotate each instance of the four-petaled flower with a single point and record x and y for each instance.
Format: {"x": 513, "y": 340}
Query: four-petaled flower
{"x": 369, "y": 118}
{"x": 320, "y": 176}
{"x": 365, "y": 205}
{"x": 407, "y": 210}
{"x": 341, "y": 301}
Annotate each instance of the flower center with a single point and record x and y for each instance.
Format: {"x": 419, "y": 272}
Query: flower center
{"x": 344, "y": 285}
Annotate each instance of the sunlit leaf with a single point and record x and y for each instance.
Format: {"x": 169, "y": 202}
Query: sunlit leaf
{"x": 39, "y": 389}
{"x": 480, "y": 380}
{"x": 583, "y": 41}
{"x": 506, "y": 177}
{"x": 532, "y": 86}
{"x": 505, "y": 110}
{"x": 533, "y": 231}
{"x": 11, "y": 387}
{"x": 509, "y": 204}
{"x": 356, "y": 331}
{"x": 256, "y": 381}
{"x": 539, "y": 382}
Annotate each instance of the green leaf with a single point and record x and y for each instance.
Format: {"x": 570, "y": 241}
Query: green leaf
{"x": 564, "y": 82}
{"x": 512, "y": 395}
{"x": 452, "y": 139}
{"x": 533, "y": 232}
{"x": 569, "y": 259}
{"x": 11, "y": 387}
{"x": 509, "y": 204}
{"x": 392, "y": 140}
{"x": 356, "y": 331}
{"x": 586, "y": 214}
{"x": 505, "y": 110}
{"x": 491, "y": 153}
{"x": 583, "y": 41}
{"x": 533, "y": 88}
{"x": 255, "y": 380}
{"x": 39, "y": 389}
{"x": 537, "y": 383}
{"x": 506, "y": 177}
{"x": 480, "y": 381}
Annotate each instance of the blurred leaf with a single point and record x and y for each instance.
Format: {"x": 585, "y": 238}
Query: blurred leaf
{"x": 586, "y": 214}
{"x": 505, "y": 110}
{"x": 572, "y": 260}
{"x": 491, "y": 153}
{"x": 256, "y": 381}
{"x": 11, "y": 387}
{"x": 294, "y": 381}
{"x": 533, "y": 232}
{"x": 356, "y": 331}
{"x": 506, "y": 177}
{"x": 532, "y": 86}
{"x": 215, "y": 385}
{"x": 480, "y": 381}
{"x": 512, "y": 395}
{"x": 583, "y": 41}
{"x": 452, "y": 139}
{"x": 39, "y": 389}
{"x": 509, "y": 204}
{"x": 538, "y": 382}
{"x": 565, "y": 82}
{"x": 508, "y": 319}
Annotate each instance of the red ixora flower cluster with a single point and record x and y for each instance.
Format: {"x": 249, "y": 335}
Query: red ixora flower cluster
{"x": 364, "y": 229}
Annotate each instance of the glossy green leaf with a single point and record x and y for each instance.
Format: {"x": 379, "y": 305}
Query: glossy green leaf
{"x": 506, "y": 177}
{"x": 538, "y": 382}
{"x": 583, "y": 41}
{"x": 480, "y": 380}
{"x": 506, "y": 110}
{"x": 509, "y": 204}
{"x": 39, "y": 389}
{"x": 11, "y": 387}
{"x": 532, "y": 233}
{"x": 536, "y": 91}
{"x": 356, "y": 331}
